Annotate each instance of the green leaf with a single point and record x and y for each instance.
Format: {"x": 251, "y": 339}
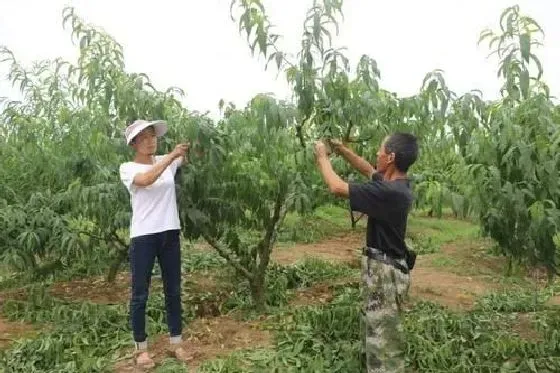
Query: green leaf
{"x": 525, "y": 46}
{"x": 524, "y": 83}
{"x": 539, "y": 65}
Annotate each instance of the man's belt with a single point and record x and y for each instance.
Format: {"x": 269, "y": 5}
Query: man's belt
{"x": 375, "y": 254}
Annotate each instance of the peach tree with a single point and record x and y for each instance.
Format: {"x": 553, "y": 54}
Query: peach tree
{"x": 66, "y": 209}
{"x": 514, "y": 153}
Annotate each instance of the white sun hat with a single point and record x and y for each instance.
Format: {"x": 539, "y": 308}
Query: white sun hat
{"x": 135, "y": 128}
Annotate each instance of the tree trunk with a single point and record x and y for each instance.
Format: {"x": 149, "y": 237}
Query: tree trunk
{"x": 509, "y": 269}
{"x": 264, "y": 249}
{"x": 257, "y": 285}
{"x": 116, "y": 264}
{"x": 550, "y": 275}
{"x": 353, "y": 222}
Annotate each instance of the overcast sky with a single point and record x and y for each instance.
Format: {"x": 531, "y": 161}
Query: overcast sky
{"x": 194, "y": 44}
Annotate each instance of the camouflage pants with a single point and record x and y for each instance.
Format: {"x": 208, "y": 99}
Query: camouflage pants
{"x": 384, "y": 289}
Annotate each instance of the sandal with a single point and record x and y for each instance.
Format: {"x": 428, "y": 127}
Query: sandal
{"x": 179, "y": 353}
{"x": 143, "y": 360}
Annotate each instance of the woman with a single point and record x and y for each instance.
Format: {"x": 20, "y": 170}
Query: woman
{"x": 154, "y": 231}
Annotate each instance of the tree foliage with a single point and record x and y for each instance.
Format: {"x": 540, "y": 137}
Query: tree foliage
{"x": 497, "y": 159}
{"x": 514, "y": 155}
{"x": 63, "y": 206}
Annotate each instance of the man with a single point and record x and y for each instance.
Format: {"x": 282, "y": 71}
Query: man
{"x": 386, "y": 199}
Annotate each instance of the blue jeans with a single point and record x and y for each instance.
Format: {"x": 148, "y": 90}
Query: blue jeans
{"x": 143, "y": 252}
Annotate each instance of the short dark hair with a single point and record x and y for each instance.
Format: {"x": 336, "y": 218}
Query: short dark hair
{"x": 405, "y": 147}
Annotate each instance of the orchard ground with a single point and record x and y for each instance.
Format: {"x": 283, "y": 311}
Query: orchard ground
{"x": 315, "y": 271}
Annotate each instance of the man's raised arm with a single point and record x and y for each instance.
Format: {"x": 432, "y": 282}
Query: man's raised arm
{"x": 359, "y": 163}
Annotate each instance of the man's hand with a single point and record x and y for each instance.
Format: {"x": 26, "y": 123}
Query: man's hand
{"x": 336, "y": 185}
{"x": 335, "y": 144}
{"x": 320, "y": 150}
{"x": 180, "y": 150}
{"x": 355, "y": 160}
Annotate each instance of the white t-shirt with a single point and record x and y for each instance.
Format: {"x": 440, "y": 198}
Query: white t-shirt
{"x": 154, "y": 208}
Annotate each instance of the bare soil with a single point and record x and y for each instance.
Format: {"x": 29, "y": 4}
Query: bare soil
{"x": 523, "y": 326}
{"x": 554, "y": 301}
{"x": 427, "y": 281}
{"x": 208, "y": 338}
{"x": 197, "y": 288}
{"x": 451, "y": 290}
{"x": 219, "y": 335}
{"x": 10, "y": 331}
{"x": 343, "y": 249}
{"x": 94, "y": 289}
{"x": 321, "y": 293}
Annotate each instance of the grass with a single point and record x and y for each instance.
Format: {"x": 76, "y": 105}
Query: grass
{"x": 325, "y": 338}
{"x": 456, "y": 246}
{"x": 326, "y": 221}
{"x": 490, "y": 338}
{"x": 426, "y": 234}
{"x": 283, "y": 280}
{"x": 439, "y": 232}
{"x": 500, "y": 333}
{"x": 444, "y": 262}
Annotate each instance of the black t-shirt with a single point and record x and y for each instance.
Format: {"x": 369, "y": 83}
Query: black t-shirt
{"x": 387, "y": 204}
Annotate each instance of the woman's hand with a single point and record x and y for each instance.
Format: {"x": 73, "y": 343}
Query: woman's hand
{"x": 180, "y": 150}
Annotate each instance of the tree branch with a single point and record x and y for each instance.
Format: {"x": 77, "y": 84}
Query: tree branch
{"x": 242, "y": 270}
{"x": 264, "y": 247}
{"x": 90, "y": 234}
{"x": 299, "y": 134}
{"x": 113, "y": 269}
{"x": 119, "y": 240}
{"x": 348, "y": 132}
{"x": 110, "y": 237}
{"x": 350, "y": 141}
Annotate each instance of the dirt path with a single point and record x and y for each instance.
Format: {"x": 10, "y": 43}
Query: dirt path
{"x": 202, "y": 289}
{"x": 95, "y": 289}
{"x": 219, "y": 336}
{"x": 208, "y": 338}
{"x": 10, "y": 331}
{"x": 451, "y": 290}
{"x": 211, "y": 337}
{"x": 342, "y": 249}
{"x": 428, "y": 281}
